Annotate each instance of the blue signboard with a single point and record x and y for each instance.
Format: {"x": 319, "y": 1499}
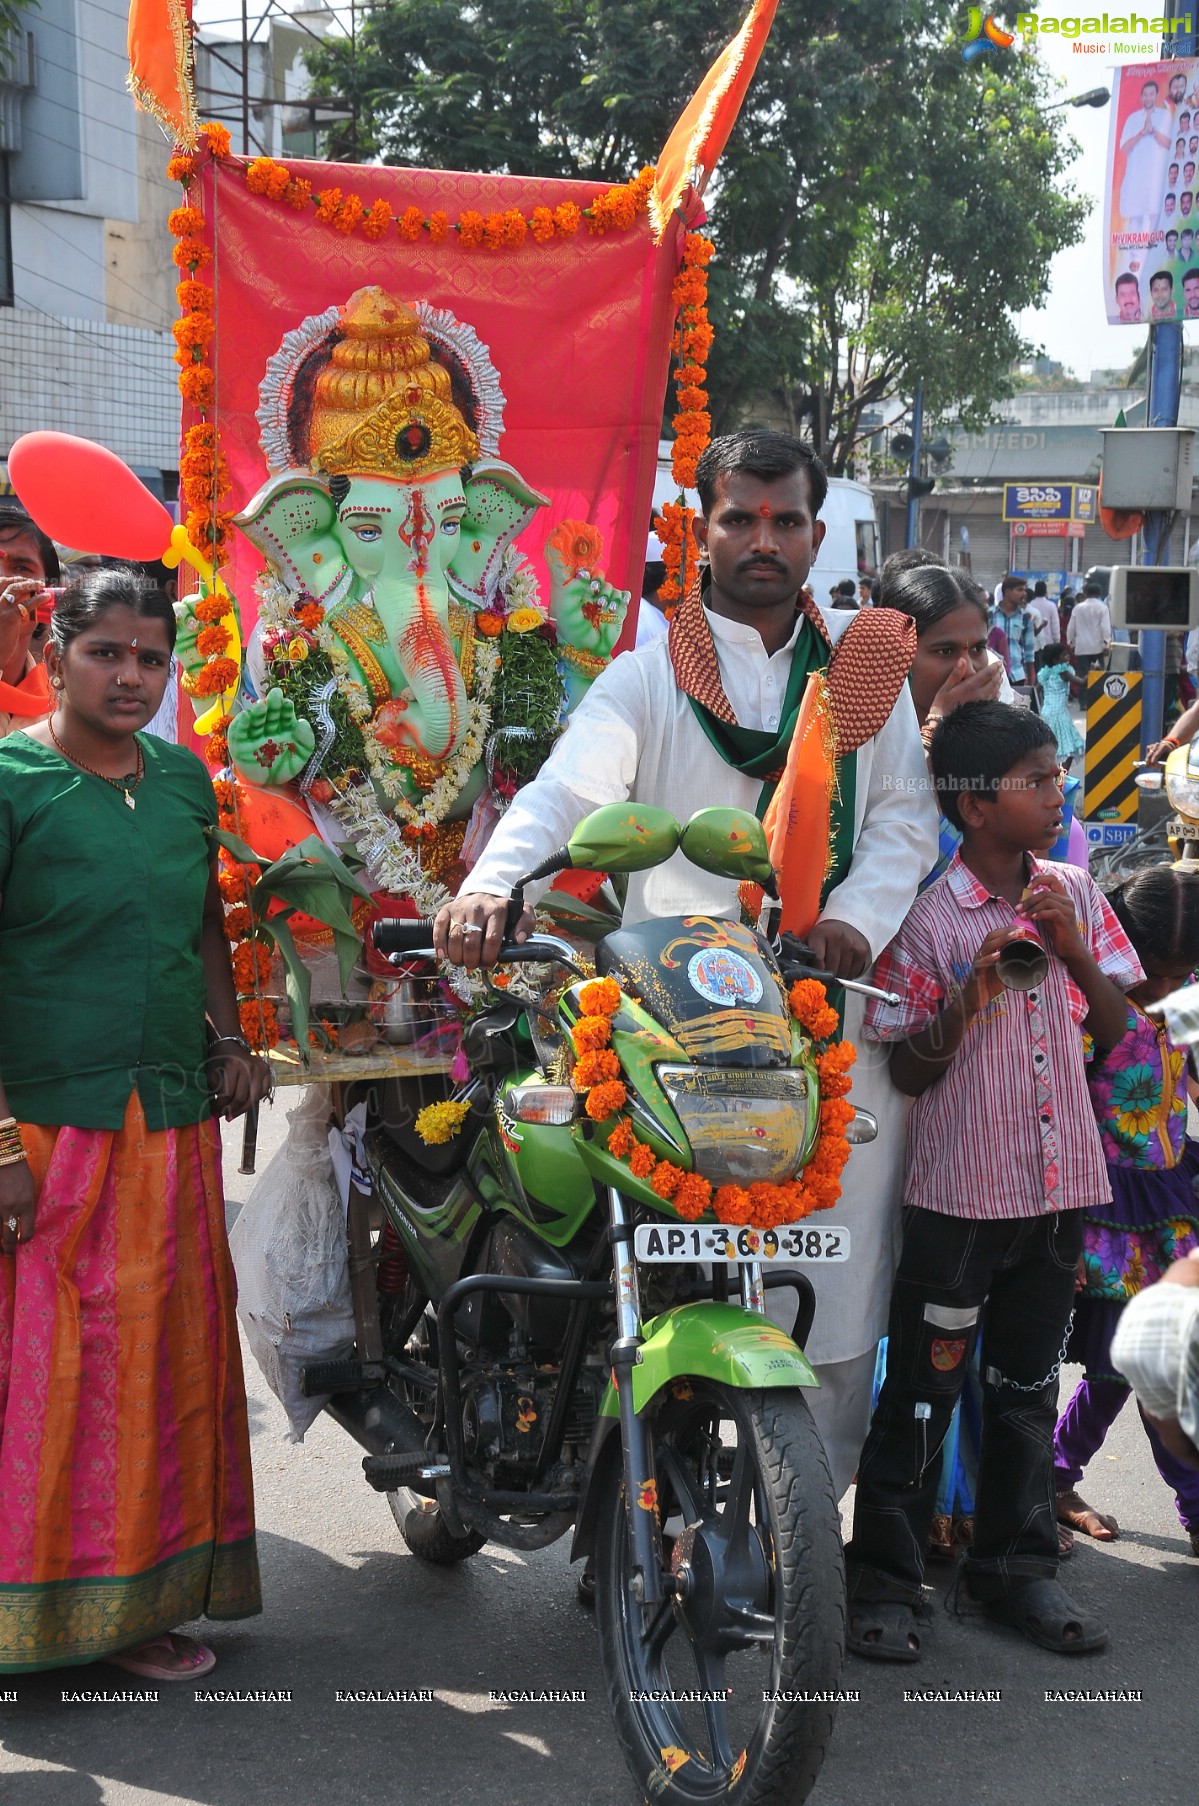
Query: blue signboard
{"x": 1037, "y": 501}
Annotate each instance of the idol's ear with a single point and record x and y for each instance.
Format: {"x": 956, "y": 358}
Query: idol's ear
{"x": 499, "y": 504}
{"x": 293, "y": 523}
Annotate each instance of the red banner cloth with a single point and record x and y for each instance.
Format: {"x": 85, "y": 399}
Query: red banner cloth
{"x": 579, "y": 330}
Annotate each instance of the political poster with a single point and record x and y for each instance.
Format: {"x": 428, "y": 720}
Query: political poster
{"x": 1151, "y": 220}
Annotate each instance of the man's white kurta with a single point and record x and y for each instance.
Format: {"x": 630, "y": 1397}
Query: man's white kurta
{"x": 635, "y": 735}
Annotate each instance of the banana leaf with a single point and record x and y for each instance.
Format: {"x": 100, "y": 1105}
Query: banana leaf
{"x": 297, "y": 978}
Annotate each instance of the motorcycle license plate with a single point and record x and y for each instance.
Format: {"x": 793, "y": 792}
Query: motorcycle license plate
{"x": 662, "y": 1243}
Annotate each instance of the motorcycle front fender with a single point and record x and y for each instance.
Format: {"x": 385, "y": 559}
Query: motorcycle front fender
{"x": 705, "y": 1341}
{"x": 710, "y": 1341}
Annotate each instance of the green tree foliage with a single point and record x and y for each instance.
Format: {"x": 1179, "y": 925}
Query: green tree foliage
{"x": 882, "y": 213}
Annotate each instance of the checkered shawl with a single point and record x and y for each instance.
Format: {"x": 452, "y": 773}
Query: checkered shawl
{"x": 867, "y": 667}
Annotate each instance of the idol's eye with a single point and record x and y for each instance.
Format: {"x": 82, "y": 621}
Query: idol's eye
{"x": 450, "y": 526}
{"x": 367, "y": 533}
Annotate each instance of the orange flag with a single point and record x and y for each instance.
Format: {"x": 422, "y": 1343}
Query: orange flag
{"x": 161, "y": 72}
{"x": 701, "y": 132}
{"x": 798, "y": 815}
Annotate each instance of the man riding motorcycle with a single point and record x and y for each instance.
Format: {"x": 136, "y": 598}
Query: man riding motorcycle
{"x": 704, "y": 716}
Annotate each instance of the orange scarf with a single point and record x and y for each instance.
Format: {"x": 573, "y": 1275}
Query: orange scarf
{"x": 30, "y": 699}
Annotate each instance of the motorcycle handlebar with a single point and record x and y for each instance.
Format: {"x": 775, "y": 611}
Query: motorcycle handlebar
{"x": 399, "y": 941}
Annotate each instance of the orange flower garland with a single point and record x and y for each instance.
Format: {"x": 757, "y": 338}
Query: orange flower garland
{"x": 204, "y": 479}
{"x": 251, "y": 960}
{"x": 693, "y": 422}
{"x": 615, "y": 210}
{"x": 760, "y": 1206}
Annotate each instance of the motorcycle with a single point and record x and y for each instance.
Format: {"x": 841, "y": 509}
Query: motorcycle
{"x": 545, "y": 1345}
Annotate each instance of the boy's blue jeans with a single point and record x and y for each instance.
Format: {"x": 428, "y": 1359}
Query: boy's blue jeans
{"x": 1023, "y": 1270}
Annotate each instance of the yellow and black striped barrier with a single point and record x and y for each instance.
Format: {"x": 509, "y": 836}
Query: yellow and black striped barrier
{"x": 1113, "y": 704}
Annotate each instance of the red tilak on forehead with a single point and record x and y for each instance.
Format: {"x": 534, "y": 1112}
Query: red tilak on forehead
{"x": 766, "y": 511}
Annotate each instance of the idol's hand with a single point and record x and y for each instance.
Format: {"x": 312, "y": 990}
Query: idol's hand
{"x": 269, "y": 743}
{"x": 587, "y": 611}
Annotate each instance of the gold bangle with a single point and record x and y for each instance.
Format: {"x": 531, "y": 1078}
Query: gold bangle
{"x": 9, "y": 1144}
{"x": 12, "y": 1159}
{"x": 8, "y": 1122}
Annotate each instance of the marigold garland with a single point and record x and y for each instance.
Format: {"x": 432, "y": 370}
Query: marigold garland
{"x": 760, "y": 1206}
{"x": 438, "y": 1123}
{"x": 693, "y": 422}
{"x": 204, "y": 479}
{"x": 250, "y": 958}
{"x": 616, "y": 209}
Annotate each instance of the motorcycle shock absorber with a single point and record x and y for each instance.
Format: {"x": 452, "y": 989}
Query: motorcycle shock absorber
{"x": 393, "y": 1262}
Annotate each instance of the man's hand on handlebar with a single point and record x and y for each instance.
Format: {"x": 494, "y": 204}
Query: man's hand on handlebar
{"x": 470, "y": 931}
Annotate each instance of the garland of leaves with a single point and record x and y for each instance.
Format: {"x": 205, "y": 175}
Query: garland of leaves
{"x": 597, "y": 1072}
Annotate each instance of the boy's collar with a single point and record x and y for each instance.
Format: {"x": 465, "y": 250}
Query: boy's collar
{"x": 969, "y": 891}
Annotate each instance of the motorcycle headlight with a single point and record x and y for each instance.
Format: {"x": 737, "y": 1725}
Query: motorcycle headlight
{"x": 744, "y": 1127}
{"x": 1182, "y": 782}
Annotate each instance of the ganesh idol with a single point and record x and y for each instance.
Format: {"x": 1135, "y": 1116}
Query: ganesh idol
{"x": 403, "y": 676}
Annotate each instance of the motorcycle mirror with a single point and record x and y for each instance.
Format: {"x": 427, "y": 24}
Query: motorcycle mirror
{"x": 730, "y": 843}
{"x": 623, "y": 837}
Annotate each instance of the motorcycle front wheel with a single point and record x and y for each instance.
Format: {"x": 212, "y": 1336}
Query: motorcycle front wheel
{"x": 726, "y": 1689}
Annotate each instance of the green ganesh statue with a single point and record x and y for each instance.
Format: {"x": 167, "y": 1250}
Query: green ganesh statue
{"x": 403, "y": 677}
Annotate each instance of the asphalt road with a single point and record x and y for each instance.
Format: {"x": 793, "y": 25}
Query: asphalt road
{"x": 347, "y": 1607}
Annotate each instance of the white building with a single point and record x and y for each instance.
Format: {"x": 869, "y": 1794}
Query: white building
{"x": 86, "y": 277}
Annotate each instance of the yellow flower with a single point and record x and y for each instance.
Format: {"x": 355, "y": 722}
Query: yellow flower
{"x": 524, "y": 620}
{"x": 297, "y": 650}
{"x": 438, "y": 1123}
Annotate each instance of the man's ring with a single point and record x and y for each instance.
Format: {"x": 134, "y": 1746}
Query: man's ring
{"x": 13, "y": 1225}
{"x": 470, "y": 928}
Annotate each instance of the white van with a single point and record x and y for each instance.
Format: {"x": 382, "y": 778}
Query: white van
{"x": 851, "y": 537}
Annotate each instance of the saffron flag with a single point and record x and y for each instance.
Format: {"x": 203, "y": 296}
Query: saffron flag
{"x": 701, "y": 132}
{"x": 797, "y": 816}
{"x": 161, "y": 73}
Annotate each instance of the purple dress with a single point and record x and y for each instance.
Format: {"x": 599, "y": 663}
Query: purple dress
{"x": 1139, "y": 1095}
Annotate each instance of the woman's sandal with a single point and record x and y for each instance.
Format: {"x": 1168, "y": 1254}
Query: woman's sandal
{"x": 885, "y": 1630}
{"x": 1048, "y": 1616}
{"x": 191, "y": 1661}
{"x": 1084, "y": 1518}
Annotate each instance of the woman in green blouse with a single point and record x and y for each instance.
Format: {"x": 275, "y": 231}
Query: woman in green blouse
{"x": 124, "y": 1450}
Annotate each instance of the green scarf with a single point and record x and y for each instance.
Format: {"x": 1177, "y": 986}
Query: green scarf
{"x": 759, "y": 754}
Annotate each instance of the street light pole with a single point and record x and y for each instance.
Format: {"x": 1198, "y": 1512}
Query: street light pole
{"x": 910, "y": 526}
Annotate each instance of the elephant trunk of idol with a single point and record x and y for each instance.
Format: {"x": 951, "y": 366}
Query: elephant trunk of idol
{"x": 426, "y": 656}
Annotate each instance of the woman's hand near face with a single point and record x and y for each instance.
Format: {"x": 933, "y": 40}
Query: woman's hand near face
{"x": 967, "y": 683}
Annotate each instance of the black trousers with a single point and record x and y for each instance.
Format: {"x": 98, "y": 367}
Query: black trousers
{"x": 1023, "y": 1270}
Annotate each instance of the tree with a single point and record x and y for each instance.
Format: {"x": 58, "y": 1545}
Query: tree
{"x": 881, "y": 214}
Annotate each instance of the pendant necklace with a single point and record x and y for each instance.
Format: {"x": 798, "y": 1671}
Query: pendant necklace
{"x": 126, "y": 789}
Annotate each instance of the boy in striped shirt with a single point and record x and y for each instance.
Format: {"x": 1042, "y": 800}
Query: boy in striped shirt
{"x": 1004, "y": 1156}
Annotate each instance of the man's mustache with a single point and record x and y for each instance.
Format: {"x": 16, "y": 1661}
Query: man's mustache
{"x": 763, "y": 564}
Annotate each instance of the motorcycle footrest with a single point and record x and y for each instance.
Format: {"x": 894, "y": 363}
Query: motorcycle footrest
{"x": 387, "y": 1472}
{"x": 347, "y": 1375}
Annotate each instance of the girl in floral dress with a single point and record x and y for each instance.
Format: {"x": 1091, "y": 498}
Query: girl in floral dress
{"x": 1139, "y": 1095}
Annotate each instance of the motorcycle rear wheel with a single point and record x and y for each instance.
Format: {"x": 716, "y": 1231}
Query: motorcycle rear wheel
{"x": 752, "y": 1522}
